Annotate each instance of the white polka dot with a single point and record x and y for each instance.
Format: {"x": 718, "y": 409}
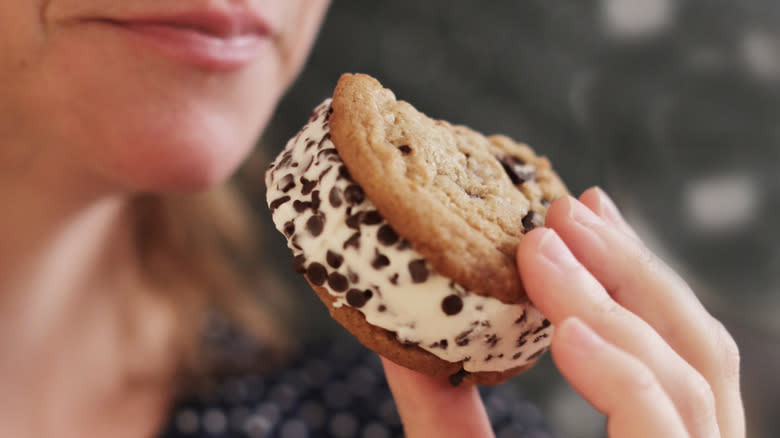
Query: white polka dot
{"x": 257, "y": 426}
{"x": 269, "y": 411}
{"x": 375, "y": 430}
{"x": 214, "y": 421}
{"x": 721, "y": 203}
{"x": 631, "y": 19}
{"x": 343, "y": 425}
{"x": 187, "y": 421}
{"x": 293, "y": 428}
{"x": 761, "y": 53}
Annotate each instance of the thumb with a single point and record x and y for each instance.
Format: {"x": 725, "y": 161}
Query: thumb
{"x": 429, "y": 407}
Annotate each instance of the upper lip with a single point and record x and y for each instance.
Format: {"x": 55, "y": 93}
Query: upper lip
{"x": 220, "y": 23}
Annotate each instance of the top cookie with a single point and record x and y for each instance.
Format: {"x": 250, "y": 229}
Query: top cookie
{"x": 463, "y": 200}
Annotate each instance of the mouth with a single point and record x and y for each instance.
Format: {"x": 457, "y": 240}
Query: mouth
{"x": 209, "y": 40}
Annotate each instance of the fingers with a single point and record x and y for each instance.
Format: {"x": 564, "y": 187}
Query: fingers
{"x": 598, "y": 201}
{"x": 562, "y": 288}
{"x": 432, "y": 408}
{"x": 641, "y": 283}
{"x": 615, "y": 383}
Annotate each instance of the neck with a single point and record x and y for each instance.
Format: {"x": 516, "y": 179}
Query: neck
{"x": 66, "y": 266}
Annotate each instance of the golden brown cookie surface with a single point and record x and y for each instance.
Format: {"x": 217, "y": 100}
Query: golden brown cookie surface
{"x": 442, "y": 187}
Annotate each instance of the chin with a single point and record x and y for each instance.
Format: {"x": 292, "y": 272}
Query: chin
{"x": 190, "y": 162}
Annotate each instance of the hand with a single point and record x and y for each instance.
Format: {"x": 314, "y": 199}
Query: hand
{"x": 631, "y": 337}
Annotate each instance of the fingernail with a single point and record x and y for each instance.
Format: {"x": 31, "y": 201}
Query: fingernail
{"x": 582, "y": 214}
{"x": 578, "y": 335}
{"x": 608, "y": 207}
{"x": 553, "y": 249}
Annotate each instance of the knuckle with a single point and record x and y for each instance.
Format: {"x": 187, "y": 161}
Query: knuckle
{"x": 697, "y": 406}
{"x": 726, "y": 351}
{"x": 642, "y": 382}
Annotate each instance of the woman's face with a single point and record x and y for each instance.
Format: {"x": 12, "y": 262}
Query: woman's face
{"x": 147, "y": 94}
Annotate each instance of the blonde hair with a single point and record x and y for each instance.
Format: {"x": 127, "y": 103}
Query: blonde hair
{"x": 200, "y": 253}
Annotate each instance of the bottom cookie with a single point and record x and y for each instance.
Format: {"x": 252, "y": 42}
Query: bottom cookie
{"x": 385, "y": 343}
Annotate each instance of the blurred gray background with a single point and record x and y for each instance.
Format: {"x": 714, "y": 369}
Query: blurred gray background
{"x": 672, "y": 106}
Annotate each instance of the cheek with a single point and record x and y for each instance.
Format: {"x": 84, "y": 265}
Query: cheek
{"x": 145, "y": 123}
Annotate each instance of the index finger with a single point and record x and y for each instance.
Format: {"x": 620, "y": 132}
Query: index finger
{"x": 431, "y": 408}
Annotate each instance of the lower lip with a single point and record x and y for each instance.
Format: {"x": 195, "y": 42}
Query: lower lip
{"x": 197, "y": 48}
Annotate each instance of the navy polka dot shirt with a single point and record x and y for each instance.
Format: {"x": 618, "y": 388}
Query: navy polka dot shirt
{"x": 335, "y": 389}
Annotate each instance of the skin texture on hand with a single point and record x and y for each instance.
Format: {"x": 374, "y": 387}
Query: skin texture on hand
{"x": 631, "y": 337}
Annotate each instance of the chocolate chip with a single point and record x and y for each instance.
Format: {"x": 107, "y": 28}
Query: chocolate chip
{"x": 278, "y": 202}
{"x": 308, "y": 166}
{"x": 394, "y": 278}
{"x": 386, "y": 235}
{"x": 301, "y": 206}
{"x": 315, "y": 224}
{"x": 352, "y": 276}
{"x": 521, "y": 319}
{"x": 308, "y": 186}
{"x": 381, "y": 308}
{"x": 325, "y": 138}
{"x": 439, "y": 344}
{"x": 323, "y": 173}
{"x": 309, "y": 144}
{"x": 489, "y": 356}
{"x": 289, "y": 228}
{"x": 335, "y": 197}
{"x": 419, "y": 271}
{"x": 463, "y": 338}
{"x": 545, "y": 324}
{"x": 492, "y": 340}
{"x": 358, "y": 298}
{"x": 537, "y": 354}
{"x": 353, "y": 221}
{"x": 405, "y": 149}
{"x": 521, "y": 340}
{"x": 457, "y": 378}
{"x": 299, "y": 263}
{"x": 354, "y": 194}
{"x": 517, "y": 170}
{"x": 286, "y": 158}
{"x": 286, "y": 183}
{"x": 354, "y": 240}
{"x": 517, "y": 355}
{"x": 531, "y": 221}
{"x": 337, "y": 282}
{"x": 540, "y": 337}
{"x": 380, "y": 260}
{"x": 315, "y": 200}
{"x": 327, "y": 153}
{"x": 344, "y": 173}
{"x": 314, "y": 115}
{"x": 334, "y": 260}
{"x": 372, "y": 218}
{"x": 294, "y": 164}
{"x": 317, "y": 274}
{"x": 452, "y": 305}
